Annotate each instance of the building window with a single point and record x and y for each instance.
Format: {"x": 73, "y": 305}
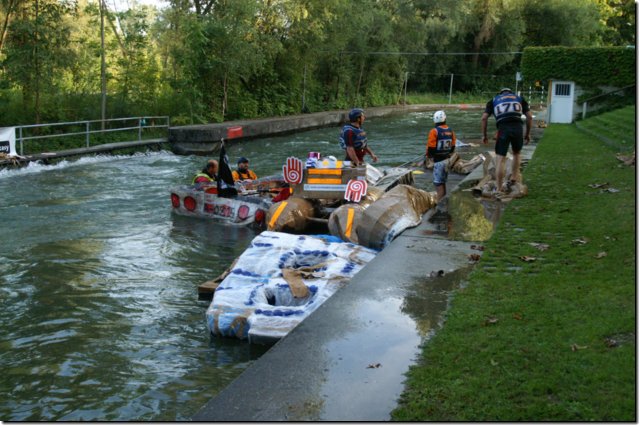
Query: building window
{"x": 563, "y": 89}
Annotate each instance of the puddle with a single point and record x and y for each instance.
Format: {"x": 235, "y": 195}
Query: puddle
{"x": 463, "y": 217}
{"x": 427, "y": 300}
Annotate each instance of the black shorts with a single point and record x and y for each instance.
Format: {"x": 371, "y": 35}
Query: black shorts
{"x": 509, "y": 134}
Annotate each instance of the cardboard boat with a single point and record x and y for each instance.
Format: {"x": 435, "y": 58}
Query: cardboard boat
{"x": 249, "y": 207}
{"x": 278, "y": 281}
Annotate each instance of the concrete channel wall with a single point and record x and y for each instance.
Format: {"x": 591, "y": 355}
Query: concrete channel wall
{"x": 203, "y": 139}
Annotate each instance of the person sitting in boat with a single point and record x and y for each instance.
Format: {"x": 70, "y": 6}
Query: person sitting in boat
{"x": 242, "y": 173}
{"x": 353, "y": 139}
{"x": 208, "y": 175}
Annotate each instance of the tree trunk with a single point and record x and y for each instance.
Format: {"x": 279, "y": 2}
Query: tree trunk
{"x": 224, "y": 94}
{"x": 359, "y": 83}
{"x": 5, "y": 23}
{"x": 485, "y": 33}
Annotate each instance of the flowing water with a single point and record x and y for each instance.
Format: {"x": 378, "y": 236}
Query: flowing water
{"x": 99, "y": 310}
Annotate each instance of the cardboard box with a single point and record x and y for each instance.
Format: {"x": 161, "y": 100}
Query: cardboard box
{"x": 326, "y": 183}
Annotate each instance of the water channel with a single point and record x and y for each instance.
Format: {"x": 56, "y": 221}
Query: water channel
{"x": 98, "y": 279}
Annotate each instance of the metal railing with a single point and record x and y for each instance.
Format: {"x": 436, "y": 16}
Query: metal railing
{"x": 141, "y": 124}
{"x": 605, "y": 96}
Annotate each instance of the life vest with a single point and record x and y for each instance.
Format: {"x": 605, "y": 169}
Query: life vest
{"x": 204, "y": 175}
{"x": 444, "y": 141}
{"x": 507, "y": 107}
{"x": 440, "y": 143}
{"x": 359, "y": 137}
{"x": 238, "y": 175}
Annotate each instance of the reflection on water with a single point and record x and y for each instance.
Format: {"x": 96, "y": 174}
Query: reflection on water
{"x": 98, "y": 279}
{"x": 427, "y": 300}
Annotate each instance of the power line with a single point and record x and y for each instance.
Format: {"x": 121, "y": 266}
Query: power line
{"x": 427, "y": 53}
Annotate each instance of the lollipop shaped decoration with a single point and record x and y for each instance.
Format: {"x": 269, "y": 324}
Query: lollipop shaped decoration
{"x": 292, "y": 171}
{"x": 356, "y": 188}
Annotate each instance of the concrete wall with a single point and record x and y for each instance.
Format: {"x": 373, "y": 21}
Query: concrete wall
{"x": 203, "y": 139}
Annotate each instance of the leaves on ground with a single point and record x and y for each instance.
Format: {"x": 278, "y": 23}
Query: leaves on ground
{"x": 474, "y": 257}
{"x": 611, "y": 343}
{"x": 540, "y": 246}
{"x": 575, "y": 347}
{"x": 528, "y": 258}
{"x": 490, "y": 321}
{"x": 580, "y": 241}
{"x": 477, "y": 247}
{"x": 598, "y": 185}
{"x": 628, "y": 160}
{"x": 601, "y": 255}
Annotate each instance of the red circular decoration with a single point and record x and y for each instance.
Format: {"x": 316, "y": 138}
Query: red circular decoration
{"x": 175, "y": 201}
{"x": 189, "y": 203}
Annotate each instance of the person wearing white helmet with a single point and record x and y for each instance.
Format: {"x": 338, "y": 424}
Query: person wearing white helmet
{"x": 507, "y": 107}
{"x": 441, "y": 143}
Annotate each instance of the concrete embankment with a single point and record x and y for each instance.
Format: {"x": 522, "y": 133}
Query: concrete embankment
{"x": 347, "y": 360}
{"x": 204, "y": 139}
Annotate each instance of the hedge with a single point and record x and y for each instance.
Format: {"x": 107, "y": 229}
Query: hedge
{"x": 587, "y": 66}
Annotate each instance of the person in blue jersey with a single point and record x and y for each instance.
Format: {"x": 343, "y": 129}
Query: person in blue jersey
{"x": 441, "y": 143}
{"x": 353, "y": 139}
{"x": 508, "y": 108}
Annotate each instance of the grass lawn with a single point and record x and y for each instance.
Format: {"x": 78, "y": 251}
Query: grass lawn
{"x": 552, "y": 338}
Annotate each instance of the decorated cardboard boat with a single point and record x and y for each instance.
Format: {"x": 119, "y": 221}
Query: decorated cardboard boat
{"x": 247, "y": 208}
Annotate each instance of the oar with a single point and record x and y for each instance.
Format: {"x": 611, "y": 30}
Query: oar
{"x": 420, "y": 157}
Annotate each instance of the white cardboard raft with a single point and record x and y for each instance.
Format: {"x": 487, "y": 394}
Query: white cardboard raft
{"x": 256, "y": 300}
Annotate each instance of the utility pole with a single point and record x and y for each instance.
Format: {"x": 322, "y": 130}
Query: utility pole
{"x": 304, "y": 88}
{"x": 103, "y": 66}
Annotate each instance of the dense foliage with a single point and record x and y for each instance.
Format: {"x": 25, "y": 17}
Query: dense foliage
{"x": 611, "y": 66}
{"x": 213, "y": 60}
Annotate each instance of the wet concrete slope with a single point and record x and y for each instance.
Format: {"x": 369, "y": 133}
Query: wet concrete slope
{"x": 347, "y": 361}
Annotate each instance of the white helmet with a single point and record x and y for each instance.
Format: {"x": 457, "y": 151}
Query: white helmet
{"x": 439, "y": 117}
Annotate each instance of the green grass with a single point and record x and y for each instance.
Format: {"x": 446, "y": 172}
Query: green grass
{"x": 528, "y": 341}
{"x": 439, "y": 98}
{"x": 616, "y": 128}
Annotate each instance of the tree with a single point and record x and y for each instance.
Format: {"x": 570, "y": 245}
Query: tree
{"x": 560, "y": 22}
{"x": 36, "y": 51}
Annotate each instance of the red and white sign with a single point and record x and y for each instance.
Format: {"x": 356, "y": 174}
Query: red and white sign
{"x": 356, "y": 189}
{"x": 292, "y": 171}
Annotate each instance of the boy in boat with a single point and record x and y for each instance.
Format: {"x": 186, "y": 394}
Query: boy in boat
{"x": 208, "y": 175}
{"x": 353, "y": 139}
{"x": 440, "y": 145}
{"x": 242, "y": 173}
